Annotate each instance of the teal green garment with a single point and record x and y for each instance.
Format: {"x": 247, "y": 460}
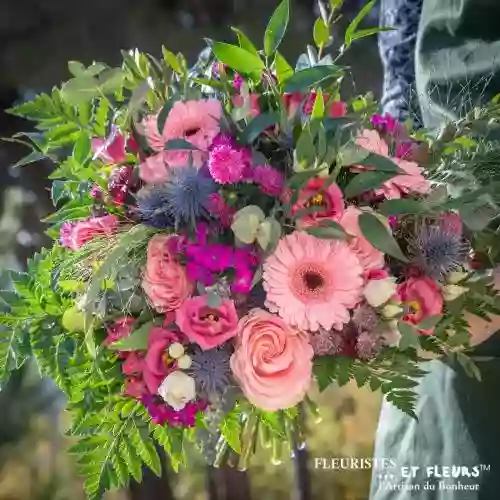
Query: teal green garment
{"x": 457, "y": 68}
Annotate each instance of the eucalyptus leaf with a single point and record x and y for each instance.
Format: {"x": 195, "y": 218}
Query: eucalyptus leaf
{"x": 377, "y": 233}
{"x": 246, "y": 223}
{"x": 351, "y": 29}
{"x": 213, "y": 300}
{"x": 276, "y": 27}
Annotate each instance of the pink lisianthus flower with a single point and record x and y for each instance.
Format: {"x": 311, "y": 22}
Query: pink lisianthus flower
{"x": 411, "y": 181}
{"x": 207, "y": 326}
{"x": 195, "y": 121}
{"x": 423, "y": 298}
{"x": 164, "y": 279}
{"x": 272, "y": 362}
{"x": 228, "y": 163}
{"x": 135, "y": 387}
{"x": 270, "y": 180}
{"x": 370, "y": 257}
{"x": 119, "y": 329}
{"x": 329, "y": 201}
{"x": 74, "y": 235}
{"x": 239, "y": 102}
{"x": 157, "y": 363}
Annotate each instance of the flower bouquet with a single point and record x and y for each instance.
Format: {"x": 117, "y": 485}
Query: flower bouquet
{"x": 228, "y": 234}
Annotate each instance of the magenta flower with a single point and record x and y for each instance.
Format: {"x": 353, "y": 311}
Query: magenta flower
{"x": 269, "y": 179}
{"x": 242, "y": 282}
{"x": 237, "y": 81}
{"x": 162, "y": 414}
{"x": 228, "y": 162}
{"x": 218, "y": 208}
{"x": 119, "y": 183}
{"x": 111, "y": 149}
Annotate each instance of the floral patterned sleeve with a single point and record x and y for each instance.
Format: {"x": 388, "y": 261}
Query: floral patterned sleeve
{"x": 397, "y": 49}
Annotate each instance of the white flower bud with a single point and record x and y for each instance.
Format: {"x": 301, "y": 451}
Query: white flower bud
{"x": 455, "y": 277}
{"x": 391, "y": 311}
{"x": 184, "y": 362}
{"x": 177, "y": 389}
{"x": 176, "y": 350}
{"x": 378, "y": 292}
{"x": 452, "y": 292}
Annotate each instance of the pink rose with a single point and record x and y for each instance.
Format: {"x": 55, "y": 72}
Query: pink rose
{"x": 207, "y": 326}
{"x": 411, "y": 181}
{"x": 239, "y": 102}
{"x": 76, "y": 234}
{"x": 423, "y": 298}
{"x": 133, "y": 363}
{"x": 153, "y": 170}
{"x": 272, "y": 362}
{"x": 157, "y": 364}
{"x": 370, "y": 257}
{"x": 165, "y": 280}
{"x": 329, "y": 201}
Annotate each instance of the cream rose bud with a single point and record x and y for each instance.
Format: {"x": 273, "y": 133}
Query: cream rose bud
{"x": 184, "y": 362}
{"x": 176, "y": 350}
{"x": 378, "y": 292}
{"x": 391, "y": 311}
{"x": 452, "y": 292}
{"x": 455, "y": 277}
{"x": 177, "y": 389}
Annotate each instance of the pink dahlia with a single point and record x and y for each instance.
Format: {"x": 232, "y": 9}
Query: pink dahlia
{"x": 370, "y": 257}
{"x": 228, "y": 162}
{"x": 312, "y": 283}
{"x": 196, "y": 122}
{"x": 269, "y": 180}
{"x": 411, "y": 181}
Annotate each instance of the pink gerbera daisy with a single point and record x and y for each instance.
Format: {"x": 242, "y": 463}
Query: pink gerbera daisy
{"x": 196, "y": 122}
{"x": 312, "y": 283}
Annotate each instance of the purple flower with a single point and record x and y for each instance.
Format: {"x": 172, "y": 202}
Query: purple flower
{"x": 228, "y": 162}
{"x": 268, "y": 179}
{"x": 237, "y": 81}
{"x": 197, "y": 272}
{"x": 162, "y": 414}
{"x": 242, "y": 281}
{"x": 96, "y": 192}
{"x": 384, "y": 123}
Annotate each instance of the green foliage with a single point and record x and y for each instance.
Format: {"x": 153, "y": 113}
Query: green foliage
{"x": 312, "y": 77}
{"x": 276, "y": 28}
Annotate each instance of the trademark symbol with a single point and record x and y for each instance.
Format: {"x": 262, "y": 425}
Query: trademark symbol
{"x": 484, "y": 467}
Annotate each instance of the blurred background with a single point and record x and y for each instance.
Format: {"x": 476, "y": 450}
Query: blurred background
{"x": 36, "y": 41}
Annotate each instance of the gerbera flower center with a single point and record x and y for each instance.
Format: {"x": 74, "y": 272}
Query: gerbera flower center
{"x": 313, "y": 280}
{"x": 310, "y": 281}
{"x": 192, "y": 131}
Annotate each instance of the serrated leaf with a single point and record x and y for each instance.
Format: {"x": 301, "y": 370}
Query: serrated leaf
{"x": 321, "y": 33}
{"x": 136, "y": 341}
{"x": 366, "y": 181}
{"x": 380, "y": 236}
{"x": 236, "y": 58}
{"x": 245, "y": 42}
{"x": 311, "y": 77}
{"x": 231, "y": 430}
{"x": 80, "y": 90}
{"x": 276, "y": 27}
{"x": 361, "y": 375}
{"x": 257, "y": 125}
{"x": 272, "y": 421}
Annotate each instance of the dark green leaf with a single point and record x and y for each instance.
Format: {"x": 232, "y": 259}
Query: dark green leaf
{"x": 33, "y": 157}
{"x": 276, "y": 28}
{"x": 245, "y": 42}
{"x": 430, "y": 322}
{"x": 366, "y": 181}
{"x": 179, "y": 144}
{"x": 328, "y": 230}
{"x": 311, "y": 77}
{"x": 376, "y": 232}
{"x": 237, "y": 58}
{"x": 136, "y": 341}
{"x": 305, "y": 149}
{"x": 351, "y": 29}
{"x": 469, "y": 366}
{"x": 477, "y": 217}
{"x": 398, "y": 207}
{"x": 163, "y": 115}
{"x": 257, "y": 126}
{"x": 361, "y": 375}
{"x": 380, "y": 163}
{"x": 301, "y": 178}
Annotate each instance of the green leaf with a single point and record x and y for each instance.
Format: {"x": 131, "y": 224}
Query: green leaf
{"x": 305, "y": 150}
{"x": 361, "y": 375}
{"x": 351, "y": 29}
{"x": 32, "y": 157}
{"x": 246, "y": 223}
{"x": 283, "y": 70}
{"x": 111, "y": 80}
{"x": 268, "y": 234}
{"x": 379, "y": 236}
{"x": 163, "y": 115}
{"x": 82, "y": 149}
{"x": 328, "y": 230}
{"x": 477, "y": 217}
{"x": 172, "y": 61}
{"x": 321, "y": 33}
{"x": 257, "y": 126}
{"x": 319, "y": 106}
{"x": 136, "y": 341}
{"x": 310, "y": 77}
{"x": 80, "y": 90}
{"x": 469, "y": 366}
{"x": 237, "y": 58}
{"x": 276, "y": 28}
{"x": 231, "y": 430}
{"x": 409, "y": 335}
{"x": 369, "y": 32}
{"x": 430, "y": 322}
{"x": 366, "y": 181}
{"x": 179, "y": 144}
{"x": 213, "y": 300}
{"x": 76, "y": 68}
{"x": 398, "y": 207}
{"x": 380, "y": 163}
{"x": 245, "y": 42}
{"x": 272, "y": 421}
{"x": 301, "y": 178}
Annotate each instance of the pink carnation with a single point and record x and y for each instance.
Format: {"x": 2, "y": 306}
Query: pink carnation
{"x": 75, "y": 235}
{"x": 196, "y": 122}
{"x": 218, "y": 208}
{"x": 207, "y": 326}
{"x": 269, "y": 179}
{"x": 272, "y": 362}
{"x": 370, "y": 257}
{"x": 165, "y": 280}
{"x": 228, "y": 163}
{"x": 412, "y": 181}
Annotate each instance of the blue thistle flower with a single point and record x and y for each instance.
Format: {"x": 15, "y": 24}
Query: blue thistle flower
{"x": 438, "y": 250}
{"x": 210, "y": 369}
{"x": 153, "y": 209}
{"x": 187, "y": 194}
